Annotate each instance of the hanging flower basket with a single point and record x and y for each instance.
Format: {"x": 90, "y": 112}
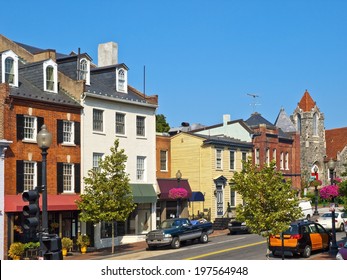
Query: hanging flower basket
{"x": 316, "y": 183}
{"x": 177, "y": 193}
{"x": 329, "y": 192}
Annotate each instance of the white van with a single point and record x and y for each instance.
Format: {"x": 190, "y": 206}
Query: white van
{"x": 306, "y": 208}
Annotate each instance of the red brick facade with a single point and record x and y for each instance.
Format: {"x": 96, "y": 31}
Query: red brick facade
{"x": 163, "y": 144}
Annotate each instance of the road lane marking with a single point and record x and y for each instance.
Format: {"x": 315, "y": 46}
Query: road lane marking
{"x": 225, "y": 250}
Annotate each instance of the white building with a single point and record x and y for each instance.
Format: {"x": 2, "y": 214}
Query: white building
{"x": 113, "y": 109}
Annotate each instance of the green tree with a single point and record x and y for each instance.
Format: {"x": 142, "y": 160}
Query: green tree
{"x": 161, "y": 124}
{"x": 269, "y": 202}
{"x": 107, "y": 194}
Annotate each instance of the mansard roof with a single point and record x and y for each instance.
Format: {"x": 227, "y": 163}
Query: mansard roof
{"x": 306, "y": 103}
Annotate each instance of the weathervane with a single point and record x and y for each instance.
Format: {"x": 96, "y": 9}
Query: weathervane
{"x": 253, "y": 103}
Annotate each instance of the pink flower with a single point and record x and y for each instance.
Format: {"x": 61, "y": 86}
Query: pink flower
{"x": 337, "y": 180}
{"x": 329, "y": 192}
{"x": 177, "y": 193}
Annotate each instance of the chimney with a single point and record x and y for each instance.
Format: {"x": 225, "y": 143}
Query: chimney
{"x": 107, "y": 54}
{"x": 226, "y": 119}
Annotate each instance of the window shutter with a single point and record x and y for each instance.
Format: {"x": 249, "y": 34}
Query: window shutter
{"x": 40, "y": 122}
{"x": 60, "y": 181}
{"x": 20, "y": 176}
{"x": 77, "y": 178}
{"x": 60, "y": 127}
{"x": 77, "y": 133}
{"x": 20, "y": 127}
{"x": 39, "y": 173}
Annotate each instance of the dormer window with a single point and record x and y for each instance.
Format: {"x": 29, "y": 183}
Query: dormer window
{"x": 10, "y": 66}
{"x": 122, "y": 80}
{"x": 85, "y": 70}
{"x": 50, "y": 73}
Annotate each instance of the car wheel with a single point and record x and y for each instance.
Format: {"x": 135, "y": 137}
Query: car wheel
{"x": 175, "y": 244}
{"x": 307, "y": 251}
{"x": 204, "y": 238}
{"x": 342, "y": 227}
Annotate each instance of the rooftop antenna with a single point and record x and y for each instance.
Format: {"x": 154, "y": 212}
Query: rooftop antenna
{"x": 253, "y": 103}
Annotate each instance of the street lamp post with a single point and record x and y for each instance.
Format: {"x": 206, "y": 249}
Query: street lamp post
{"x": 316, "y": 193}
{"x": 44, "y": 141}
{"x": 178, "y": 177}
{"x": 333, "y": 248}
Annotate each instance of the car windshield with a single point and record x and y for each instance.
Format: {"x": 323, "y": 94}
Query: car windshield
{"x": 329, "y": 215}
{"x": 293, "y": 229}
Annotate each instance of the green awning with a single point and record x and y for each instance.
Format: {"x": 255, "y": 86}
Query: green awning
{"x": 144, "y": 193}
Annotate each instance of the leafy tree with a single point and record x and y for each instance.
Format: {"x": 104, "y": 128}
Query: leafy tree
{"x": 161, "y": 124}
{"x": 343, "y": 188}
{"x": 270, "y": 204}
{"x": 107, "y": 194}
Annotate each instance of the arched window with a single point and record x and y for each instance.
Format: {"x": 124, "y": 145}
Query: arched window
{"x": 10, "y": 68}
{"x": 298, "y": 123}
{"x": 84, "y": 70}
{"x": 50, "y": 76}
{"x": 122, "y": 80}
{"x": 315, "y": 124}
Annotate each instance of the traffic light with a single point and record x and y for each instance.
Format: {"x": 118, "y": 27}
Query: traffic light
{"x": 31, "y": 211}
{"x": 52, "y": 247}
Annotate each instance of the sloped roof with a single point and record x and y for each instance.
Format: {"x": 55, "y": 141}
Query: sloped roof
{"x": 283, "y": 122}
{"x": 336, "y": 141}
{"x": 306, "y": 103}
{"x": 256, "y": 119}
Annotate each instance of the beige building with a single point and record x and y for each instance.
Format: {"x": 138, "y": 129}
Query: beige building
{"x": 209, "y": 162}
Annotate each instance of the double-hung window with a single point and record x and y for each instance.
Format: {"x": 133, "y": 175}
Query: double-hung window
{"x": 30, "y": 175}
{"x": 68, "y": 132}
{"x": 140, "y": 168}
{"x": 163, "y": 161}
{"x": 68, "y": 177}
{"x": 9, "y": 70}
{"x": 219, "y": 155}
{"x": 30, "y": 130}
{"x": 96, "y": 158}
{"x": 9, "y": 65}
{"x": 140, "y": 126}
{"x": 232, "y": 160}
{"x": 120, "y": 123}
{"x": 98, "y": 120}
{"x": 84, "y": 70}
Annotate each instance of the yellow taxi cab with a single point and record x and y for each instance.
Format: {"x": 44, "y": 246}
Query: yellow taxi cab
{"x": 302, "y": 237}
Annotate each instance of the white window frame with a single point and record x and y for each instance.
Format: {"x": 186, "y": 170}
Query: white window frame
{"x": 274, "y": 155}
{"x": 85, "y": 70}
{"x": 122, "y": 80}
{"x": 140, "y": 131}
{"x": 119, "y": 124}
{"x": 31, "y": 129}
{"x": 286, "y": 161}
{"x": 101, "y": 122}
{"x": 257, "y": 156}
{"x": 267, "y": 156}
{"x": 46, "y": 64}
{"x": 282, "y": 161}
{"x": 141, "y": 168}
{"x": 96, "y": 158}
{"x": 4, "y": 56}
{"x": 232, "y": 164}
{"x": 30, "y": 175}
{"x": 163, "y": 161}
{"x": 219, "y": 159}
{"x": 68, "y": 178}
{"x": 68, "y": 135}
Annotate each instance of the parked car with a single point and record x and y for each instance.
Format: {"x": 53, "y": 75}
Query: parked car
{"x": 306, "y": 209}
{"x": 342, "y": 253}
{"x": 326, "y": 222}
{"x": 238, "y": 227}
{"x": 302, "y": 237}
{"x": 172, "y": 232}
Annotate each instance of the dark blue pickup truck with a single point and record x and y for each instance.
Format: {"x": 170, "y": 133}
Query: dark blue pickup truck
{"x": 172, "y": 232}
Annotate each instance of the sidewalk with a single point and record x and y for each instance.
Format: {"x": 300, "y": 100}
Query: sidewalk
{"x": 121, "y": 250}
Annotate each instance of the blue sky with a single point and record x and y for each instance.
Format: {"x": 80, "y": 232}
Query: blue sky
{"x": 203, "y": 57}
